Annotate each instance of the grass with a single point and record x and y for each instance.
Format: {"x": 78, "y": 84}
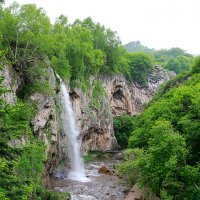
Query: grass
{"x": 95, "y": 155}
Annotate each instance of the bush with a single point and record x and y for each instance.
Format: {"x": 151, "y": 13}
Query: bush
{"x": 196, "y": 65}
{"x": 167, "y": 135}
{"x": 123, "y": 126}
{"x": 141, "y": 64}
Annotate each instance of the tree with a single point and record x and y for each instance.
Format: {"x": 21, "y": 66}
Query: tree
{"x": 80, "y": 51}
{"x": 173, "y": 65}
{"x": 25, "y": 32}
{"x": 196, "y": 65}
{"x": 161, "y": 162}
{"x": 141, "y": 64}
{"x": 175, "y": 52}
{"x": 179, "y": 64}
{"x": 185, "y": 63}
{"x": 123, "y": 127}
{"x": 167, "y": 137}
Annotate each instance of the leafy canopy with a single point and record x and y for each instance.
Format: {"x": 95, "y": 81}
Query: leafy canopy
{"x": 164, "y": 143}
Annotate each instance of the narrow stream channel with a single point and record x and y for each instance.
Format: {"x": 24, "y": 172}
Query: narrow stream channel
{"x": 100, "y": 187}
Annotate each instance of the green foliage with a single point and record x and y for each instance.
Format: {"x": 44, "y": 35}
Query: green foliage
{"x": 43, "y": 194}
{"x": 94, "y": 50}
{"x": 30, "y": 162}
{"x": 21, "y": 155}
{"x": 26, "y": 41}
{"x": 123, "y": 126}
{"x": 129, "y": 169}
{"x": 161, "y": 161}
{"x": 98, "y": 94}
{"x": 21, "y": 175}
{"x": 95, "y": 155}
{"x": 15, "y": 120}
{"x": 173, "y": 83}
{"x": 164, "y": 143}
{"x": 38, "y": 86}
{"x": 59, "y": 196}
{"x": 174, "y": 59}
{"x": 88, "y": 158}
{"x": 21, "y": 166}
{"x": 36, "y": 80}
{"x": 76, "y": 51}
{"x": 141, "y": 64}
{"x": 80, "y": 52}
{"x": 179, "y": 64}
{"x": 61, "y": 66}
{"x": 196, "y": 65}
{"x": 25, "y": 33}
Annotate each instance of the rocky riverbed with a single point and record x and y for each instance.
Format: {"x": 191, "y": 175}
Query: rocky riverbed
{"x": 103, "y": 182}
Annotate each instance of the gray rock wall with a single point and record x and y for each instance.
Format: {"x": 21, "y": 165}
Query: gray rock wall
{"x": 129, "y": 97}
{"x": 122, "y": 97}
{"x": 95, "y": 123}
{"x": 12, "y": 82}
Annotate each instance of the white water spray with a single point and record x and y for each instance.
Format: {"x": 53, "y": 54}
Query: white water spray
{"x": 71, "y": 131}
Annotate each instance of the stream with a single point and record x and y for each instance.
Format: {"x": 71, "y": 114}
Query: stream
{"x": 99, "y": 187}
{"x": 84, "y": 183}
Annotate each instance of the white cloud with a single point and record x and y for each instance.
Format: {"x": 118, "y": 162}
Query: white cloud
{"x": 156, "y": 23}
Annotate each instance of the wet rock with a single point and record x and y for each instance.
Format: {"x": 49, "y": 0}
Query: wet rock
{"x": 104, "y": 170}
{"x": 100, "y": 187}
{"x": 141, "y": 198}
{"x": 119, "y": 156}
{"x": 135, "y": 193}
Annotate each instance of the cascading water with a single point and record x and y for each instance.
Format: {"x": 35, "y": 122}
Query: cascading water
{"x": 70, "y": 130}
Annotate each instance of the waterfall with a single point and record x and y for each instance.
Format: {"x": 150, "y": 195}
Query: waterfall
{"x": 70, "y": 130}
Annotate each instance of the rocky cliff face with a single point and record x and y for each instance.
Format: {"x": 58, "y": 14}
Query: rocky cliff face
{"x": 122, "y": 97}
{"x": 95, "y": 124}
{"x": 45, "y": 124}
{"x": 95, "y": 121}
{"x": 12, "y": 82}
{"x": 129, "y": 97}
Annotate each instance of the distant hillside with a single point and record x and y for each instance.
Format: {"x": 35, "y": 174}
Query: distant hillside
{"x": 136, "y": 46}
{"x": 174, "y": 59}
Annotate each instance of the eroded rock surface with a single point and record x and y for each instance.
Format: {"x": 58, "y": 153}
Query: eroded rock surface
{"x": 122, "y": 97}
{"x": 12, "y": 82}
{"x": 128, "y": 97}
{"x": 45, "y": 125}
{"x": 95, "y": 124}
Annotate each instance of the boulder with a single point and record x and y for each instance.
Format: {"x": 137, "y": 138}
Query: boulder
{"x": 104, "y": 170}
